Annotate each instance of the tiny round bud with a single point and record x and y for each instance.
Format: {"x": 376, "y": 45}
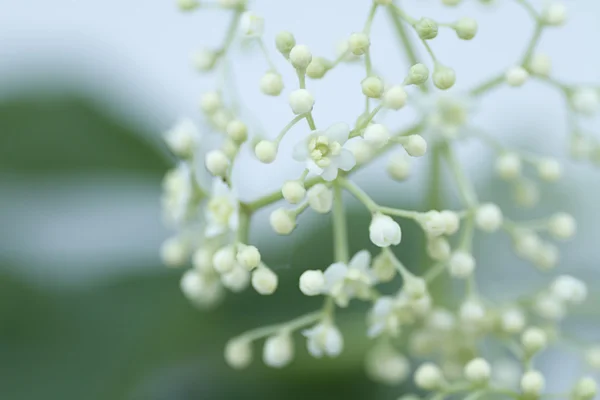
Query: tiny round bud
{"x": 173, "y": 252}
{"x": 204, "y": 60}
{"x": 478, "y": 371}
{"x": 429, "y": 377}
{"x": 251, "y": 25}
{"x": 230, "y": 148}
{"x": 202, "y": 260}
{"x": 271, "y": 84}
{"x": 433, "y": 223}
{"x": 534, "y": 340}
{"x": 293, "y": 191}
{"x": 533, "y": 382}
{"x": 238, "y": 353}
{"x": 224, "y": 259}
{"x": 187, "y": 5}
{"x": 237, "y": 131}
{"x": 285, "y": 42}
{"x": 372, "y": 87}
{"x": 426, "y": 28}
{"x": 512, "y": 320}
{"x": 384, "y": 231}
{"x": 508, "y": 166}
{"x": 361, "y": 150}
{"x": 451, "y": 221}
{"x": 301, "y": 101}
{"x": 278, "y": 351}
{"x": 554, "y": 14}
{"x": 417, "y": 75}
{"x": 237, "y": 279}
{"x": 585, "y": 389}
{"x": 394, "y": 98}
{"x": 385, "y": 365}
{"x": 320, "y": 198}
{"x": 312, "y": 282}
{"x": 282, "y": 221}
{"x": 488, "y": 217}
{"x": 549, "y": 170}
{"x": 585, "y": 101}
{"x": 466, "y": 28}
{"x": 443, "y": 77}
{"x": 359, "y": 43}
{"x": 461, "y": 264}
{"x": 248, "y": 256}
{"x": 546, "y": 257}
{"x": 264, "y": 281}
{"x": 318, "y": 67}
{"x": 266, "y": 151}
{"x": 210, "y": 102}
{"x": 562, "y": 226}
{"x": 384, "y": 267}
{"x": 217, "y": 163}
{"x": 569, "y": 289}
{"x": 300, "y": 56}
{"x": 540, "y": 64}
{"x": 377, "y": 135}
{"x": 516, "y": 76}
{"x": 415, "y": 146}
{"x": 398, "y": 167}
{"x": 415, "y": 287}
{"x": 438, "y": 248}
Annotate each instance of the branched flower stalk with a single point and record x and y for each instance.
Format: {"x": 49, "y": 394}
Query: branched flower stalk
{"x": 200, "y": 200}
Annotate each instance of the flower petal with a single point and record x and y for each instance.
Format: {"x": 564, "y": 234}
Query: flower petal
{"x": 338, "y": 132}
{"x": 346, "y": 160}
{"x": 300, "y": 152}
{"x": 334, "y": 274}
{"x": 330, "y": 173}
{"x": 361, "y": 260}
{"x": 313, "y": 168}
{"x": 334, "y": 341}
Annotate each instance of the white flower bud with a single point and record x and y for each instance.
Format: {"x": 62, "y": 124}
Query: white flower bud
{"x": 210, "y": 102}
{"x": 237, "y": 130}
{"x": 592, "y": 357}
{"x": 385, "y": 365}
{"x": 377, "y": 135}
{"x": 541, "y": 65}
{"x": 488, "y": 217}
{"x": 318, "y": 67}
{"x": 512, "y": 320}
{"x": 278, "y": 350}
{"x": 300, "y": 56}
{"x": 372, "y": 87}
{"x": 562, "y": 226}
{"x": 508, "y": 166}
{"x": 516, "y": 76}
{"x": 534, "y": 340}
{"x": 282, "y": 221}
{"x": 266, "y": 151}
{"x": 220, "y": 118}
{"x": 361, "y": 150}
{"x": 359, "y": 43}
{"x": 478, "y": 371}
{"x": 230, "y": 148}
{"x": 285, "y": 42}
{"x": 264, "y": 281}
{"x": 429, "y": 377}
{"x": 554, "y": 14}
{"x": 204, "y": 60}
{"x": 415, "y": 146}
{"x": 384, "y": 231}
{"x": 466, "y": 28}
{"x": 312, "y": 282}
{"x": 202, "y": 260}
{"x": 550, "y": 307}
{"x": 426, "y": 28}
{"x": 293, "y": 191}
{"x": 394, "y": 97}
{"x": 585, "y": 101}
{"x": 301, "y": 101}
{"x": 251, "y": 25}
{"x": 585, "y": 389}
{"x": 173, "y": 252}
{"x": 398, "y": 167}
{"x": 472, "y": 313}
{"x": 384, "y": 267}
{"x": 569, "y": 289}
{"x": 187, "y": 5}
{"x": 417, "y": 75}
{"x": 237, "y": 279}
{"x": 549, "y": 170}
{"x": 451, "y": 221}
{"x": 320, "y": 198}
{"x": 461, "y": 264}
{"x": 433, "y": 223}
{"x": 438, "y": 248}
{"x": 546, "y": 257}
{"x": 238, "y": 353}
{"x": 533, "y": 383}
{"x": 443, "y": 77}
{"x": 198, "y": 289}
{"x": 248, "y": 256}
{"x": 224, "y": 259}
{"x": 526, "y": 193}
{"x": 271, "y": 84}
{"x": 182, "y": 138}
{"x": 217, "y": 163}
{"x": 415, "y": 287}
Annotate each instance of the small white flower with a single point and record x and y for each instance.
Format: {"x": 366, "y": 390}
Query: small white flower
{"x": 217, "y": 163}
{"x": 278, "y": 350}
{"x": 320, "y": 198}
{"x": 433, "y": 223}
{"x": 264, "y": 281}
{"x": 443, "y": 77}
{"x": 541, "y": 64}
{"x": 344, "y": 282}
{"x": 488, "y": 217}
{"x": 533, "y": 382}
{"x": 554, "y": 14}
{"x": 377, "y": 135}
{"x": 183, "y": 138}
{"x": 383, "y": 317}
{"x": 516, "y": 76}
{"x": 415, "y": 146}
{"x": 359, "y": 43}
{"x": 429, "y": 377}
{"x": 323, "y": 151}
{"x": 252, "y": 25}
{"x": 508, "y": 166}
{"x": 385, "y": 365}
{"x": 534, "y": 340}
{"x": 271, "y": 84}
{"x": 237, "y": 279}
{"x": 562, "y": 226}
{"x": 178, "y": 193}
{"x": 238, "y": 353}
{"x": 512, "y": 320}
{"x": 394, "y": 97}
{"x": 312, "y": 282}
{"x": 204, "y": 290}
{"x": 300, "y": 56}
{"x": 384, "y": 231}
{"x": 569, "y": 289}
{"x": 461, "y": 264}
{"x": 248, "y": 256}
{"x": 324, "y": 339}
{"x": 266, "y": 151}
{"x": 282, "y": 221}
{"x": 478, "y": 371}
{"x": 301, "y": 101}
{"x": 586, "y": 101}
{"x": 222, "y": 210}
{"x": 293, "y": 191}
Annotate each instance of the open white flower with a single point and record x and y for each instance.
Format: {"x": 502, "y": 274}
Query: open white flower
{"x": 344, "y": 282}
{"x": 177, "y": 194}
{"x": 183, "y": 138}
{"x": 324, "y": 153}
{"x": 221, "y": 210}
{"x": 390, "y": 312}
{"x": 324, "y": 339}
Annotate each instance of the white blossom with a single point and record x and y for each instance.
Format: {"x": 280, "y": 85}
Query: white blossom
{"x": 324, "y": 339}
{"x": 384, "y": 231}
{"x": 221, "y": 210}
{"x": 344, "y": 282}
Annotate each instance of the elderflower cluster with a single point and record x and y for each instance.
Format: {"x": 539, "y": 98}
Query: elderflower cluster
{"x": 439, "y": 345}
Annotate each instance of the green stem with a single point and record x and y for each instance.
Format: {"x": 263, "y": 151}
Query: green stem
{"x": 537, "y": 34}
{"x": 244, "y": 226}
{"x": 340, "y": 230}
{"x": 292, "y": 325}
{"x": 465, "y": 187}
{"x": 487, "y": 85}
{"x": 434, "y": 198}
{"x": 276, "y": 196}
{"x": 405, "y": 40}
